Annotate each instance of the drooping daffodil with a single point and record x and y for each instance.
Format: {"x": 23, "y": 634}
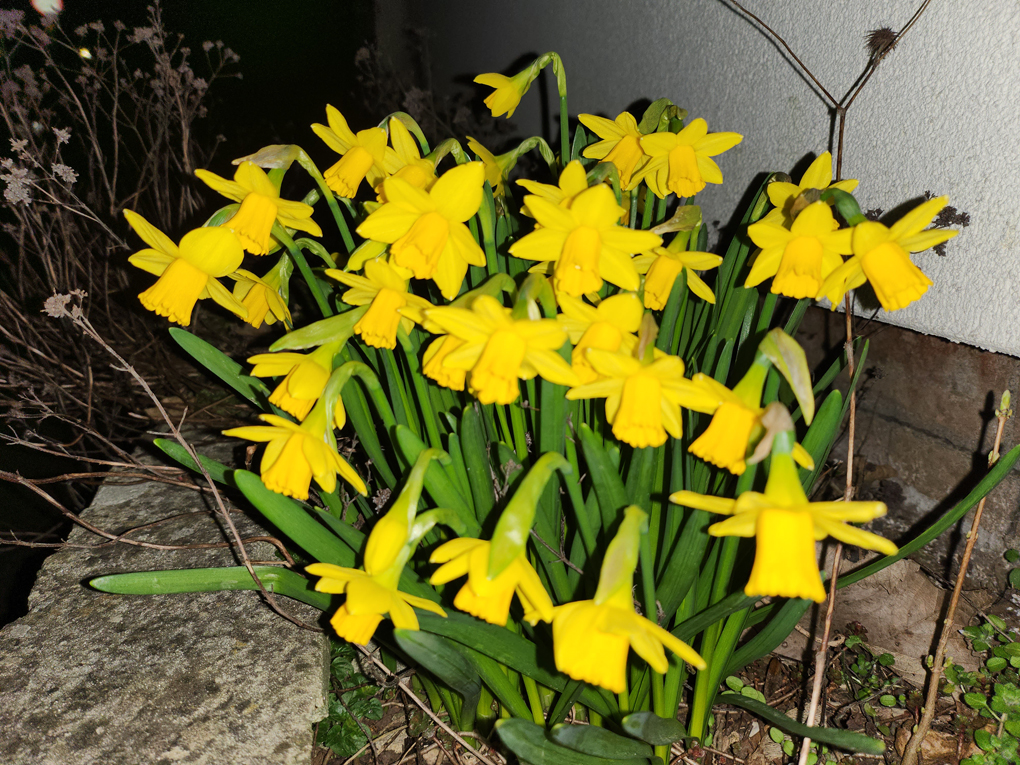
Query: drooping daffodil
{"x": 383, "y": 289}
{"x": 584, "y": 245}
{"x": 363, "y": 154}
{"x": 620, "y": 144}
{"x": 426, "y": 231}
{"x": 297, "y": 453}
{"x": 785, "y": 524}
{"x": 800, "y": 258}
{"x": 187, "y": 273}
{"x": 818, "y": 176}
{"x": 509, "y": 90}
{"x": 591, "y": 638}
{"x": 736, "y": 414}
{"x": 499, "y": 568}
{"x": 498, "y": 350}
{"x": 265, "y": 297}
{"x": 261, "y": 207}
{"x": 372, "y": 592}
{"x": 680, "y": 163}
{"x": 881, "y": 255}
{"x": 496, "y": 167}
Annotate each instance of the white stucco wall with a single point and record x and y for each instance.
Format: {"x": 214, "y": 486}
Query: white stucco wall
{"x": 941, "y": 113}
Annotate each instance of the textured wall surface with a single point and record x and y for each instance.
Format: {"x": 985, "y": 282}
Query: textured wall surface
{"x": 939, "y": 115}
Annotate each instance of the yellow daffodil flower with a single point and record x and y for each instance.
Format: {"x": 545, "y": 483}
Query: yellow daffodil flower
{"x": 372, "y": 593}
{"x": 433, "y": 364}
{"x": 187, "y": 273}
{"x": 508, "y": 90}
{"x": 497, "y": 569}
{"x": 363, "y": 155}
{"x": 404, "y": 161}
{"x": 496, "y": 168}
{"x": 881, "y": 256}
{"x": 800, "y": 258}
{"x": 609, "y": 327}
{"x": 736, "y": 419}
{"x": 661, "y": 268}
{"x": 680, "y": 162}
{"x": 298, "y": 453}
{"x": 620, "y": 144}
{"x": 591, "y": 638}
{"x": 583, "y": 244}
{"x": 489, "y": 598}
{"x": 265, "y": 297}
{"x": 498, "y": 349}
{"x": 426, "y": 231}
{"x": 305, "y": 378}
{"x": 787, "y": 526}
{"x": 643, "y": 400}
{"x": 818, "y": 176}
{"x": 261, "y": 206}
{"x": 383, "y": 289}
{"x": 573, "y": 180}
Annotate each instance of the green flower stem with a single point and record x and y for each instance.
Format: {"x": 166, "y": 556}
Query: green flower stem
{"x": 564, "y": 135}
{"x": 299, "y": 257}
{"x": 660, "y": 210}
{"x": 405, "y": 415}
{"x": 503, "y": 424}
{"x": 577, "y": 500}
{"x": 520, "y": 439}
{"x": 646, "y": 214}
{"x": 534, "y": 700}
{"x": 305, "y": 161}
{"x": 421, "y": 391}
{"x": 632, "y": 218}
{"x": 647, "y": 560}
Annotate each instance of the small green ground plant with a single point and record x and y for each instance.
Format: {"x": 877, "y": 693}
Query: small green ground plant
{"x": 992, "y": 691}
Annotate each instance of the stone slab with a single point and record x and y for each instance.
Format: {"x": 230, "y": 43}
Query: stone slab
{"x": 204, "y": 678}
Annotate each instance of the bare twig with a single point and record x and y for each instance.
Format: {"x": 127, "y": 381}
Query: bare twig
{"x": 914, "y": 744}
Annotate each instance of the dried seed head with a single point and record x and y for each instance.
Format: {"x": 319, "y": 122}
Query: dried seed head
{"x": 878, "y": 41}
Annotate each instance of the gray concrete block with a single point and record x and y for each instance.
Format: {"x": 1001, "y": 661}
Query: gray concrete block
{"x": 204, "y": 678}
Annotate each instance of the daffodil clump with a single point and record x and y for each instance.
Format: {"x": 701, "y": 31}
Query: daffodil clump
{"x": 563, "y": 373}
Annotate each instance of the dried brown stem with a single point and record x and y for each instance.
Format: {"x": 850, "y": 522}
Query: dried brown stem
{"x": 914, "y": 744}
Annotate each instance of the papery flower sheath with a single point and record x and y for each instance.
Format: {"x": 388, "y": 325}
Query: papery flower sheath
{"x": 584, "y": 244}
{"x": 426, "y": 231}
{"x": 680, "y": 163}
{"x": 881, "y": 256}
{"x": 298, "y": 453}
{"x": 498, "y": 350}
{"x": 817, "y": 176}
{"x": 620, "y": 144}
{"x": 799, "y": 258}
{"x": 261, "y": 207}
{"x": 591, "y": 638}
{"x": 363, "y": 155}
{"x": 787, "y": 526}
{"x": 383, "y": 289}
{"x": 662, "y": 266}
{"x": 186, "y": 273}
